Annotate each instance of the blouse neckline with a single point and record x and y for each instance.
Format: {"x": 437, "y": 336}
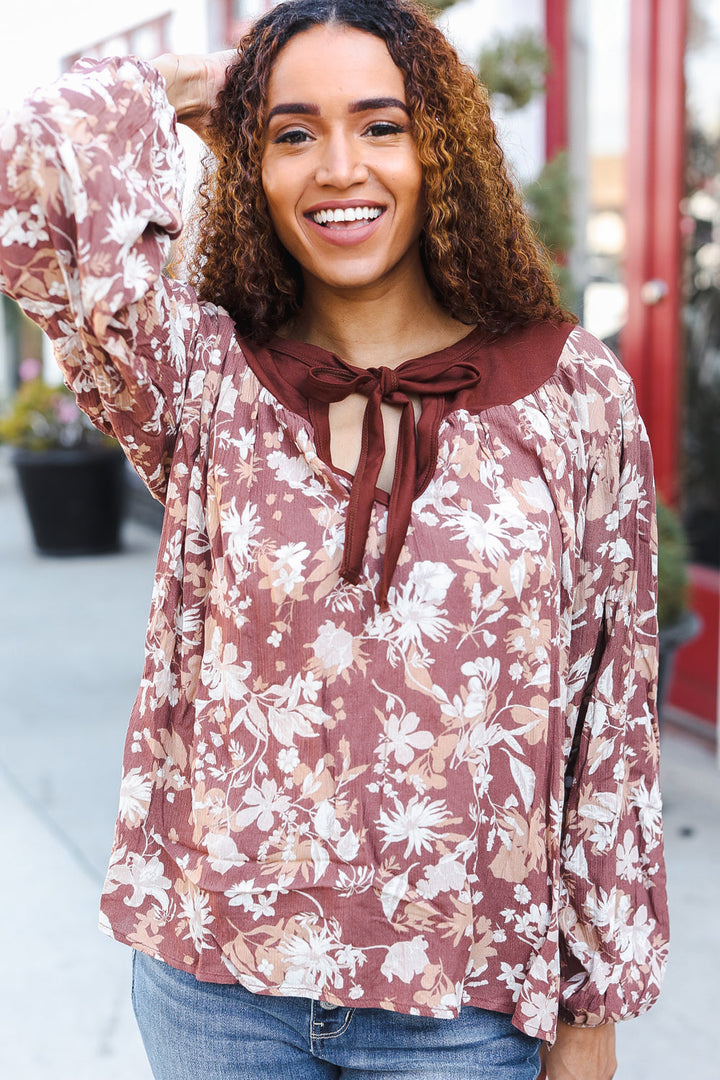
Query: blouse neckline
{"x": 473, "y": 372}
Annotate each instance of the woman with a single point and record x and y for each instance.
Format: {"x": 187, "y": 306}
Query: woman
{"x": 390, "y": 796}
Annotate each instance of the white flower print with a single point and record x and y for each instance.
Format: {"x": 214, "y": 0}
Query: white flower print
{"x": 476, "y": 703}
{"x": 538, "y": 1011}
{"x": 257, "y": 903}
{"x": 135, "y": 791}
{"x": 223, "y": 852}
{"x": 195, "y": 908}
{"x": 516, "y": 671}
{"x": 310, "y": 961}
{"x": 291, "y": 711}
{"x": 245, "y": 441}
{"x": 293, "y": 471}
{"x": 522, "y": 894}
{"x": 449, "y": 875}
{"x": 414, "y": 823}
{"x": 416, "y": 616}
{"x": 146, "y": 878}
{"x": 124, "y": 224}
{"x": 137, "y": 271}
{"x": 17, "y": 227}
{"x": 634, "y": 934}
{"x": 288, "y": 759}
{"x": 402, "y": 739}
{"x": 240, "y": 530}
{"x": 628, "y": 858}
{"x": 240, "y": 894}
{"x": 631, "y": 491}
{"x": 442, "y": 488}
{"x": 288, "y": 566}
{"x": 348, "y": 846}
{"x": 649, "y": 805}
{"x": 224, "y": 679}
{"x": 325, "y": 821}
{"x": 602, "y": 974}
{"x": 406, "y": 959}
{"x": 488, "y": 536}
{"x": 334, "y": 647}
{"x": 532, "y": 923}
{"x": 264, "y": 803}
{"x": 355, "y": 880}
{"x": 227, "y": 403}
{"x": 513, "y": 977}
{"x": 431, "y": 581}
{"x": 603, "y": 810}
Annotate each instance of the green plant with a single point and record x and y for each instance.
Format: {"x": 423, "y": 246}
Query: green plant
{"x": 548, "y": 201}
{"x": 672, "y": 566}
{"x": 43, "y": 417}
{"x": 440, "y": 5}
{"x": 513, "y": 67}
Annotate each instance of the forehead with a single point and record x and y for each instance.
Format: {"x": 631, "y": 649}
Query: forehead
{"x": 334, "y": 63}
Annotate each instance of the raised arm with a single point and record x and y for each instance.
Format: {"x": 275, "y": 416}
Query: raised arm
{"x": 193, "y": 83}
{"x": 91, "y": 179}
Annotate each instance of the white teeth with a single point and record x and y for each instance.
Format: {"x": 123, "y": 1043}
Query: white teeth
{"x": 353, "y": 213}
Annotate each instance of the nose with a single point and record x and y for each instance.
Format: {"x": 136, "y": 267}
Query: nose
{"x": 341, "y": 164}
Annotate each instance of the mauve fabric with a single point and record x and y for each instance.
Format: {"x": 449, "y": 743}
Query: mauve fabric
{"x": 322, "y": 796}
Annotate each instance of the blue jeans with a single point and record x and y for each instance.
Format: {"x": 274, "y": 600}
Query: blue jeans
{"x": 196, "y": 1030}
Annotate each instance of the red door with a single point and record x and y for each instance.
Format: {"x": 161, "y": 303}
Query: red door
{"x": 653, "y": 339}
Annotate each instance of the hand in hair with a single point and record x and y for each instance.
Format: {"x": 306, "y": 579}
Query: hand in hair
{"x": 193, "y": 83}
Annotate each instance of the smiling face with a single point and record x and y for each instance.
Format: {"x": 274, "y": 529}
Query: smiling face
{"x": 340, "y": 168}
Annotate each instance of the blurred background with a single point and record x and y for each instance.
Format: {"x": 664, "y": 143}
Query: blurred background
{"x": 609, "y": 113}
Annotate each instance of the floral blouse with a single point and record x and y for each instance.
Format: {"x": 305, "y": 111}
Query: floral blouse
{"x": 450, "y": 801}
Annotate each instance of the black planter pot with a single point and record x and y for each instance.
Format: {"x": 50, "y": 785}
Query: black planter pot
{"x": 74, "y": 498}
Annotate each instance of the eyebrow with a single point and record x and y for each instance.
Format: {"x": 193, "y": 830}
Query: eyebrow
{"x": 368, "y": 104}
{"x": 295, "y": 108}
{"x": 302, "y": 108}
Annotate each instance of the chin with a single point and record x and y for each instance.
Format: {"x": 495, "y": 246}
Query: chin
{"x": 353, "y": 279}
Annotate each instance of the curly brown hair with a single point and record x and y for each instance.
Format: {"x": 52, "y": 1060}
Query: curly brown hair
{"x": 480, "y": 253}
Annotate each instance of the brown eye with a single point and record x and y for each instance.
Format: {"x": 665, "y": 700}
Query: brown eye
{"x": 292, "y": 138}
{"x": 384, "y": 127}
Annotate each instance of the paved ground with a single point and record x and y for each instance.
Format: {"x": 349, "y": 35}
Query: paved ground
{"x": 71, "y": 647}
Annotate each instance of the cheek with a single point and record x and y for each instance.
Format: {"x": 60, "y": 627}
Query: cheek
{"x": 412, "y": 185}
{"x": 281, "y": 206}
{"x": 278, "y": 181}
{"x": 415, "y": 194}
{"x": 269, "y": 184}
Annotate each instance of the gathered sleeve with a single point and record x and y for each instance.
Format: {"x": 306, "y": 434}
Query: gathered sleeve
{"x": 613, "y": 918}
{"x": 91, "y": 180}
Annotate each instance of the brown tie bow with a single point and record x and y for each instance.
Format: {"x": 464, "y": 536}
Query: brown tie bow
{"x": 424, "y": 378}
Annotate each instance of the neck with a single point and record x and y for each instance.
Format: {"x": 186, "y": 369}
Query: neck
{"x": 375, "y": 326}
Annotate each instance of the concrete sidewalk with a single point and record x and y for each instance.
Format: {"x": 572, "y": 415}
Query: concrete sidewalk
{"x": 71, "y": 637}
